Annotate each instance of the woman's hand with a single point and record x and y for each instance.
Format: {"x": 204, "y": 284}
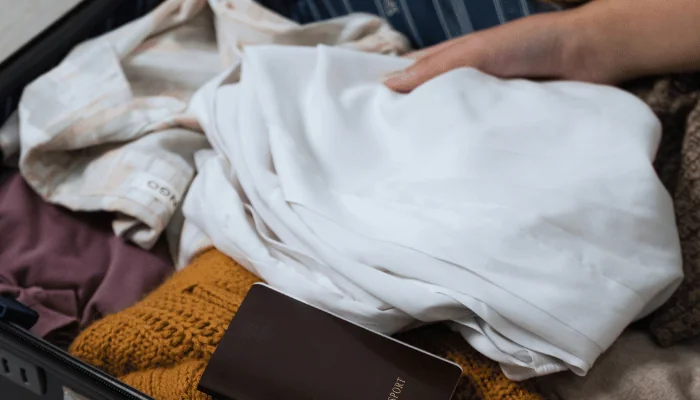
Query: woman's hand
{"x": 605, "y": 41}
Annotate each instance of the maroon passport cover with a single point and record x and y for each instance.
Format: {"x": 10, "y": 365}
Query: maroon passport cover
{"x": 278, "y": 347}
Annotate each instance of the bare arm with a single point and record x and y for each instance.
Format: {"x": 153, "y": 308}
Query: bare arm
{"x": 605, "y": 41}
{"x": 632, "y": 38}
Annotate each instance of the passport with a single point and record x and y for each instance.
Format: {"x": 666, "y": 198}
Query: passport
{"x": 281, "y": 348}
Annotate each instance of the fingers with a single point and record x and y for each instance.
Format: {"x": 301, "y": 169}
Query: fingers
{"x": 532, "y": 47}
{"x": 415, "y": 55}
{"x": 430, "y": 63}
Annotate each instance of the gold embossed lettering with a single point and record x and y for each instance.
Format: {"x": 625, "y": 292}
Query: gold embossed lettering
{"x": 397, "y": 389}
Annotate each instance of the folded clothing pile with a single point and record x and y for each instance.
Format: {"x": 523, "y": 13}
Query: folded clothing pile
{"x": 162, "y": 344}
{"x": 500, "y": 206}
{"x": 675, "y": 99}
{"x": 659, "y": 358}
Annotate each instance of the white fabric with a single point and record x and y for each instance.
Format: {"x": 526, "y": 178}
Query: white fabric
{"x": 527, "y": 213}
{"x": 245, "y": 22}
{"x": 108, "y": 129}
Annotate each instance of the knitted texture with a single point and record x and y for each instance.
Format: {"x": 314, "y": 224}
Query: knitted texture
{"x": 482, "y": 377}
{"x": 676, "y": 100}
{"x": 161, "y": 345}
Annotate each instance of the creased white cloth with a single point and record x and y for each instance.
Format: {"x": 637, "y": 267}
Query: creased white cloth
{"x": 527, "y": 213}
{"x": 242, "y": 23}
{"x": 107, "y": 129}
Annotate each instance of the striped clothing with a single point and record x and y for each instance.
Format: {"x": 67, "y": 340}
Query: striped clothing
{"x": 425, "y": 22}
{"x": 127, "y": 11}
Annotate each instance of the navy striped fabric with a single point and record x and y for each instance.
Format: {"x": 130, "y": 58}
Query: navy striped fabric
{"x": 128, "y": 11}
{"x": 425, "y": 22}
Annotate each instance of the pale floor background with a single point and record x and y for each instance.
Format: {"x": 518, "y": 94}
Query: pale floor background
{"x": 21, "y": 20}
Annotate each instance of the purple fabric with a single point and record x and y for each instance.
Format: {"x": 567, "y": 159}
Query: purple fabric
{"x": 68, "y": 266}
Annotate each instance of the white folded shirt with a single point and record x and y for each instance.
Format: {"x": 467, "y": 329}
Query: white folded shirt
{"x": 529, "y": 214}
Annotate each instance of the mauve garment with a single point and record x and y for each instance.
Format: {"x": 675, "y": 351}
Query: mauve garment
{"x": 68, "y": 266}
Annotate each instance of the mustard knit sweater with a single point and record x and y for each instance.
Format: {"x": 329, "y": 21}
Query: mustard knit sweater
{"x": 161, "y": 345}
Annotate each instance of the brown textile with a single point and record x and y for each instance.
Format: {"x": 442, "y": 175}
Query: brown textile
{"x": 634, "y": 368}
{"x": 482, "y": 377}
{"x": 675, "y": 100}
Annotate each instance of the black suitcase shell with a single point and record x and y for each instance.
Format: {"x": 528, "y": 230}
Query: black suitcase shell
{"x": 30, "y": 367}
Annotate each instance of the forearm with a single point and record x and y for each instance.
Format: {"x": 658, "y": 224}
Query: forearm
{"x": 604, "y": 41}
{"x": 632, "y": 38}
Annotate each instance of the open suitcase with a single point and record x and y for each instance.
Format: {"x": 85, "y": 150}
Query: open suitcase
{"x": 30, "y": 367}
